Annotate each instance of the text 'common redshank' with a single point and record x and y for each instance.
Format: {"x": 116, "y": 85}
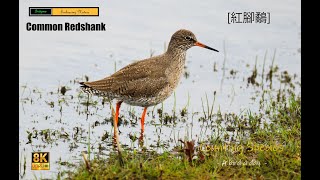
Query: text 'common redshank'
{"x": 147, "y": 82}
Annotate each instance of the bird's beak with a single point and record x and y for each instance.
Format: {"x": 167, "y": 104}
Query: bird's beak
{"x": 204, "y": 46}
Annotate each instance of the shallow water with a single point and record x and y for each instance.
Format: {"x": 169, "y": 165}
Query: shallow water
{"x": 49, "y": 60}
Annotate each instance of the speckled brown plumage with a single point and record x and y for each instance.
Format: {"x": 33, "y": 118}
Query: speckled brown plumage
{"x": 149, "y": 81}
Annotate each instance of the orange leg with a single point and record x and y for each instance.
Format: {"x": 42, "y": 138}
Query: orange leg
{"x": 142, "y": 125}
{"x": 143, "y": 118}
{"x": 115, "y": 122}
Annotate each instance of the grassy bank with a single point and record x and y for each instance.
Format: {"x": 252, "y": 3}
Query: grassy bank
{"x": 268, "y": 149}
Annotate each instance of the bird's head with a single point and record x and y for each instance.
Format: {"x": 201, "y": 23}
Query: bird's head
{"x": 184, "y": 39}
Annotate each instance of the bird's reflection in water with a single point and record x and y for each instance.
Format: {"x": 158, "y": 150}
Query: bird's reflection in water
{"x": 141, "y": 139}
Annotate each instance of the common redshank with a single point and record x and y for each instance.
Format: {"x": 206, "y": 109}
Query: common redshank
{"x": 147, "y": 82}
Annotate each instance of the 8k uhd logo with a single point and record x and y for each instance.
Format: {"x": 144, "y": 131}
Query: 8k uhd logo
{"x": 40, "y": 161}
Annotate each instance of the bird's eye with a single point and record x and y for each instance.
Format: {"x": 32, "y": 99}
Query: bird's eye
{"x": 188, "y": 38}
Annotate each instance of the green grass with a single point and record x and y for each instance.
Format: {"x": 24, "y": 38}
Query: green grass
{"x": 271, "y": 150}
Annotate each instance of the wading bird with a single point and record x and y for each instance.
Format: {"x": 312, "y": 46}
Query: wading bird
{"x": 147, "y": 82}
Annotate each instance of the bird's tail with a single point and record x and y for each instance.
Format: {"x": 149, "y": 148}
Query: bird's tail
{"x": 87, "y": 88}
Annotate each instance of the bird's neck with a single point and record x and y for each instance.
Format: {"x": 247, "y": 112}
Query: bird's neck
{"x": 175, "y": 60}
{"x": 176, "y": 56}
{"x": 176, "y": 53}
{"x": 175, "y": 48}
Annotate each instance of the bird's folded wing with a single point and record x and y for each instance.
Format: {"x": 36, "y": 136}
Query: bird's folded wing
{"x": 136, "y": 79}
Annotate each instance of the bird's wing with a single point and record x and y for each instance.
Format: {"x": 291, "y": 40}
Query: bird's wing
{"x": 134, "y": 79}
